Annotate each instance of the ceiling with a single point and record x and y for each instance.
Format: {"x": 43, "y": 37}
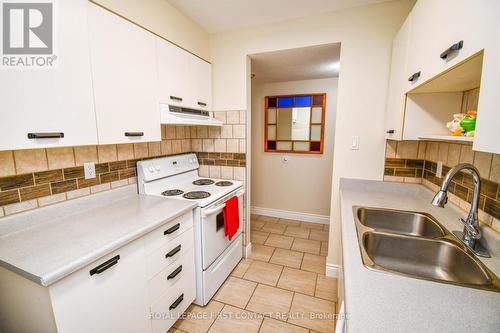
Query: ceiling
{"x": 222, "y": 15}
{"x": 305, "y": 63}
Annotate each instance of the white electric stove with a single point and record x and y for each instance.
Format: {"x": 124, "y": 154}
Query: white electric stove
{"x": 176, "y": 177}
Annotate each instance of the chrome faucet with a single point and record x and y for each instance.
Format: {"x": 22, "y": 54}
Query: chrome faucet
{"x": 471, "y": 234}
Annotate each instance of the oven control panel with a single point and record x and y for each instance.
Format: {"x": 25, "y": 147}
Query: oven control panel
{"x": 157, "y": 168}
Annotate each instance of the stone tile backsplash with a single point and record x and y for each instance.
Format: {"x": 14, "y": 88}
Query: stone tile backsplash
{"x": 32, "y": 178}
{"x": 416, "y": 162}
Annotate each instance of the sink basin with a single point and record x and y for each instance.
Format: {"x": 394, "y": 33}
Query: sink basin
{"x": 400, "y": 222}
{"x": 416, "y": 245}
{"x": 425, "y": 258}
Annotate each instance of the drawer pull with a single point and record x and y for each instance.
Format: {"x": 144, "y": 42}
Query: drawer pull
{"x": 175, "y": 98}
{"x": 173, "y": 252}
{"x": 134, "y": 133}
{"x": 172, "y": 229}
{"x": 46, "y": 135}
{"x": 175, "y": 273}
{"x": 104, "y": 266}
{"x": 390, "y": 132}
{"x": 202, "y": 104}
{"x": 177, "y": 302}
{"x": 454, "y": 47}
{"x": 414, "y": 76}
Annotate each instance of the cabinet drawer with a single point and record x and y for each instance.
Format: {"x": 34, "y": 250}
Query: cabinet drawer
{"x": 171, "y": 276}
{"x": 168, "y": 232}
{"x": 166, "y": 255}
{"x": 166, "y": 311}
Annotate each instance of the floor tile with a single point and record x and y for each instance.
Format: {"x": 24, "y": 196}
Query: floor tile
{"x": 306, "y": 245}
{"x": 263, "y": 272}
{"x": 297, "y": 232}
{"x": 298, "y": 280}
{"x": 175, "y": 330}
{"x": 284, "y": 242}
{"x": 319, "y": 235}
{"x": 311, "y": 225}
{"x": 268, "y": 219}
{"x": 313, "y": 313}
{"x": 256, "y": 225}
{"x": 198, "y": 319}
{"x": 314, "y": 263}
{"x": 274, "y": 228}
{"x": 258, "y": 237}
{"x": 235, "y": 292}
{"x": 236, "y": 320}
{"x": 326, "y": 288}
{"x": 241, "y": 268}
{"x": 324, "y": 249}
{"x": 271, "y": 301}
{"x": 275, "y": 326}
{"x": 294, "y": 223}
{"x": 261, "y": 252}
{"x": 287, "y": 258}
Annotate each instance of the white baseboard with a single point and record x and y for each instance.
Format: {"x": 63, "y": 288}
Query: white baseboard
{"x": 286, "y": 214}
{"x": 247, "y": 250}
{"x": 332, "y": 270}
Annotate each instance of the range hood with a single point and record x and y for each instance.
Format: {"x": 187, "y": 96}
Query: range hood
{"x": 177, "y": 115}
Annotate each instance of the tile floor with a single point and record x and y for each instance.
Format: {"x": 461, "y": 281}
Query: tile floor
{"x": 281, "y": 288}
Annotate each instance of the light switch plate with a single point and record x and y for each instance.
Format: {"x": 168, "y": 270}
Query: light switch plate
{"x": 355, "y": 142}
{"x": 89, "y": 170}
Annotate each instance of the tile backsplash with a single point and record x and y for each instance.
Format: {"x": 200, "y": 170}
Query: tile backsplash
{"x": 416, "y": 162}
{"x": 33, "y": 178}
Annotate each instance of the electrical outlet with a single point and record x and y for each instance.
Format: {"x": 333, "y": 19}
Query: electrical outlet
{"x": 439, "y": 169}
{"x": 89, "y": 170}
{"x": 355, "y": 142}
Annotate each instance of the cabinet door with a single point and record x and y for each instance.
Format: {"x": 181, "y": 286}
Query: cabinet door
{"x": 173, "y": 74}
{"x": 125, "y": 78}
{"x": 52, "y": 100}
{"x": 114, "y": 300}
{"x": 201, "y": 80}
{"x": 398, "y": 84}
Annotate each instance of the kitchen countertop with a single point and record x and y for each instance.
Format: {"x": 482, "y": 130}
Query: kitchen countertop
{"x": 47, "y": 244}
{"x": 383, "y": 302}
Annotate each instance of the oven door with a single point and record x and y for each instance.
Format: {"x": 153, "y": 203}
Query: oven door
{"x": 213, "y": 240}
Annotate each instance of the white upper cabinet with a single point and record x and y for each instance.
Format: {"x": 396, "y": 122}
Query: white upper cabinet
{"x": 55, "y": 100}
{"x": 124, "y": 76}
{"x": 183, "y": 79}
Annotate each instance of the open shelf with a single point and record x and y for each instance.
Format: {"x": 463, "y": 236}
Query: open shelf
{"x": 446, "y": 138}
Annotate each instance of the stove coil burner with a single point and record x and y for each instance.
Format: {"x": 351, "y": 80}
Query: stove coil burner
{"x": 224, "y": 183}
{"x": 203, "y": 182}
{"x": 171, "y": 193}
{"x": 196, "y": 195}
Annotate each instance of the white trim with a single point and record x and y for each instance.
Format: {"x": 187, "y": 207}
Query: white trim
{"x": 332, "y": 270}
{"x": 247, "y": 250}
{"x": 286, "y": 214}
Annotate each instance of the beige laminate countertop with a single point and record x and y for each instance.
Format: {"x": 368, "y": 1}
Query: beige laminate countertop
{"x": 50, "y": 243}
{"x": 382, "y": 302}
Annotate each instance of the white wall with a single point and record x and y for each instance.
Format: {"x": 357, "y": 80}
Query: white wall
{"x": 165, "y": 20}
{"x": 366, "y": 35}
{"x": 304, "y": 183}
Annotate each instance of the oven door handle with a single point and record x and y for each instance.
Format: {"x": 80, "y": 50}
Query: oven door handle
{"x": 213, "y": 210}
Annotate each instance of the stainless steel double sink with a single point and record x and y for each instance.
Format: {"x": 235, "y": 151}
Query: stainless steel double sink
{"x": 416, "y": 245}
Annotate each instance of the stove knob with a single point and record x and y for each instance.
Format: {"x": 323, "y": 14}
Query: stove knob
{"x": 151, "y": 169}
{"x": 157, "y": 168}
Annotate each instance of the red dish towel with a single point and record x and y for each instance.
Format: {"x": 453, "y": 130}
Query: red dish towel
{"x": 231, "y": 217}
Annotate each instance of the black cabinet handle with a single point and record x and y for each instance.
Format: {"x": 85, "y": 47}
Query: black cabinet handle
{"x": 134, "y": 133}
{"x": 175, "y": 273}
{"x": 414, "y": 76}
{"x": 172, "y": 229}
{"x": 173, "y": 252}
{"x": 202, "y": 104}
{"x": 177, "y": 302}
{"x": 454, "y": 47}
{"x": 47, "y": 135}
{"x": 390, "y": 131}
{"x": 104, "y": 266}
{"x": 175, "y": 98}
